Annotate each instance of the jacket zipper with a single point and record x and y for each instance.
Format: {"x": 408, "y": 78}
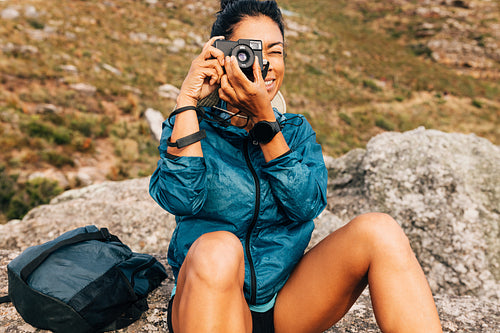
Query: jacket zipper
{"x": 253, "y": 278}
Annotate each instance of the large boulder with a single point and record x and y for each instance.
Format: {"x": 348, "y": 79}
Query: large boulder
{"x": 444, "y": 189}
{"x": 125, "y": 208}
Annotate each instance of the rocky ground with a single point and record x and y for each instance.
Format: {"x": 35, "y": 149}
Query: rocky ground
{"x": 442, "y": 188}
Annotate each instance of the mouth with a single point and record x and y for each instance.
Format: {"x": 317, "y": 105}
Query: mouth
{"x": 269, "y": 84}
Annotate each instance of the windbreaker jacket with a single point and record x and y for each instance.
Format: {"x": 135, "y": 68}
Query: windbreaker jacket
{"x": 269, "y": 206}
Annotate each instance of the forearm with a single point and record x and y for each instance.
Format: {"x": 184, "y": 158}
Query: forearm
{"x": 274, "y": 148}
{"x": 300, "y": 189}
{"x": 186, "y": 123}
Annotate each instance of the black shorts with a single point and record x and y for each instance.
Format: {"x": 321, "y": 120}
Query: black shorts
{"x": 263, "y": 322}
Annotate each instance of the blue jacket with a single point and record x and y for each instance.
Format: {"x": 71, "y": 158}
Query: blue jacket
{"x": 270, "y": 206}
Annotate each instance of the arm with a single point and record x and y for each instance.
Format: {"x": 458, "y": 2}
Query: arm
{"x": 299, "y": 179}
{"x": 252, "y": 98}
{"x": 178, "y": 183}
{"x": 202, "y": 79}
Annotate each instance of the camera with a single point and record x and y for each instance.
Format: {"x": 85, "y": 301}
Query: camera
{"x": 245, "y": 51}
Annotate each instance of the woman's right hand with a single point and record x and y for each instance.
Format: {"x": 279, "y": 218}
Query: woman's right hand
{"x": 203, "y": 76}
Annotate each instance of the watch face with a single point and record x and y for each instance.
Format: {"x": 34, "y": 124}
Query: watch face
{"x": 263, "y": 132}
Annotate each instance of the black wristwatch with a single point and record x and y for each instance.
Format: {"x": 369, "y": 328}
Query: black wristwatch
{"x": 264, "y": 131}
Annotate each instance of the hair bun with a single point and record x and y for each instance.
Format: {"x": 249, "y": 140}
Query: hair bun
{"x": 225, "y": 3}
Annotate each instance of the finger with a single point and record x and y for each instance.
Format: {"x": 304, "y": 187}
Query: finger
{"x": 211, "y": 41}
{"x": 213, "y": 63}
{"x": 257, "y": 72}
{"x": 226, "y": 91}
{"x": 235, "y": 75}
{"x": 209, "y": 51}
{"x": 214, "y": 76}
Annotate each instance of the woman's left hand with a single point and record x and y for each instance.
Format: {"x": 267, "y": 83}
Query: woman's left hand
{"x": 249, "y": 97}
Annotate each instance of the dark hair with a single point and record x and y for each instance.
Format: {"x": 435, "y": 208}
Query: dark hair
{"x": 233, "y": 11}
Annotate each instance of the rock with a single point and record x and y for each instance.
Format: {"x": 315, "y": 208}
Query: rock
{"x": 458, "y": 314}
{"x": 84, "y": 88}
{"x": 112, "y": 69}
{"x": 155, "y": 119}
{"x": 71, "y": 69}
{"x": 168, "y": 91}
{"x": 47, "y": 109}
{"x": 9, "y": 14}
{"x": 133, "y": 90}
{"x": 126, "y": 208}
{"x": 24, "y": 50}
{"x": 53, "y": 175}
{"x": 177, "y": 45}
{"x": 30, "y": 12}
{"x": 444, "y": 189}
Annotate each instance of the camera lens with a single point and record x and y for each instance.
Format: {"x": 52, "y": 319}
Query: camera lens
{"x": 245, "y": 56}
{"x": 242, "y": 56}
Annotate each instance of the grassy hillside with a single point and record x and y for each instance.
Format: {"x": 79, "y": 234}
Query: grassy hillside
{"x": 354, "y": 68}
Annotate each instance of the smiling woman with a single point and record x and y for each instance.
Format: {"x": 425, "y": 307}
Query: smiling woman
{"x": 245, "y": 183}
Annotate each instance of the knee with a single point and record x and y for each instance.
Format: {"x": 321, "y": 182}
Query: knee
{"x": 217, "y": 259}
{"x": 381, "y": 232}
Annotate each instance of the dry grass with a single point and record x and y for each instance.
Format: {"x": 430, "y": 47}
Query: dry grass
{"x": 350, "y": 69}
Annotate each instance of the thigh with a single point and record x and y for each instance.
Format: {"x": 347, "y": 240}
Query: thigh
{"x": 325, "y": 284}
{"x": 209, "y": 294}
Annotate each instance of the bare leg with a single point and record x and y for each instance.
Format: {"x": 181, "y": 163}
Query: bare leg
{"x": 209, "y": 295}
{"x": 372, "y": 249}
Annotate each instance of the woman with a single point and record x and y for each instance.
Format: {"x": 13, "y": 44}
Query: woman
{"x": 245, "y": 183}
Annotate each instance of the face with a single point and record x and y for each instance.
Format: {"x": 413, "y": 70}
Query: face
{"x": 265, "y": 29}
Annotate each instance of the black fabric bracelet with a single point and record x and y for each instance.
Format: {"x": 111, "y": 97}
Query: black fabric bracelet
{"x": 187, "y": 140}
{"x": 199, "y": 111}
{"x": 171, "y": 156}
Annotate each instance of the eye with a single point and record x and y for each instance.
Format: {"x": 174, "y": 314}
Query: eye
{"x": 275, "y": 52}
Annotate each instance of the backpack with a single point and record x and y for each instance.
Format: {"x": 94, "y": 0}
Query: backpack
{"x": 85, "y": 280}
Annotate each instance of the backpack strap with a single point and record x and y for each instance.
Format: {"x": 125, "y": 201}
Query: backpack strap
{"x": 101, "y": 235}
{"x": 4, "y": 299}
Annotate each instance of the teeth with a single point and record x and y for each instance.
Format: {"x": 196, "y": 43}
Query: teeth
{"x": 268, "y": 83}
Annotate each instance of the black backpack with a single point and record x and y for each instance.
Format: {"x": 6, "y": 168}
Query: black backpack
{"x": 85, "y": 280}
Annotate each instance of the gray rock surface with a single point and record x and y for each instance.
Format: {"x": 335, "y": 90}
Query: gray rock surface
{"x": 124, "y": 207}
{"x": 444, "y": 189}
{"x": 155, "y": 119}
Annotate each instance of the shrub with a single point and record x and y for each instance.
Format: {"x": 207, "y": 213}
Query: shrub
{"x": 477, "y": 103}
{"x": 56, "y": 159}
{"x": 37, "y": 128}
{"x": 345, "y": 118}
{"x": 36, "y": 192}
{"x": 384, "y": 124}
{"x": 7, "y": 188}
{"x": 371, "y": 85}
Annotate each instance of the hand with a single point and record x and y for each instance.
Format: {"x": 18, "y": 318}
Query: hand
{"x": 204, "y": 75}
{"x": 251, "y": 98}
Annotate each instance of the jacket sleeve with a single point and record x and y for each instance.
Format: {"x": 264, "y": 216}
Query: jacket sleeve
{"x": 178, "y": 184}
{"x": 299, "y": 179}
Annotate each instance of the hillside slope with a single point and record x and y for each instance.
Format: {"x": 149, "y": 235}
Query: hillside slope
{"x": 77, "y": 76}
